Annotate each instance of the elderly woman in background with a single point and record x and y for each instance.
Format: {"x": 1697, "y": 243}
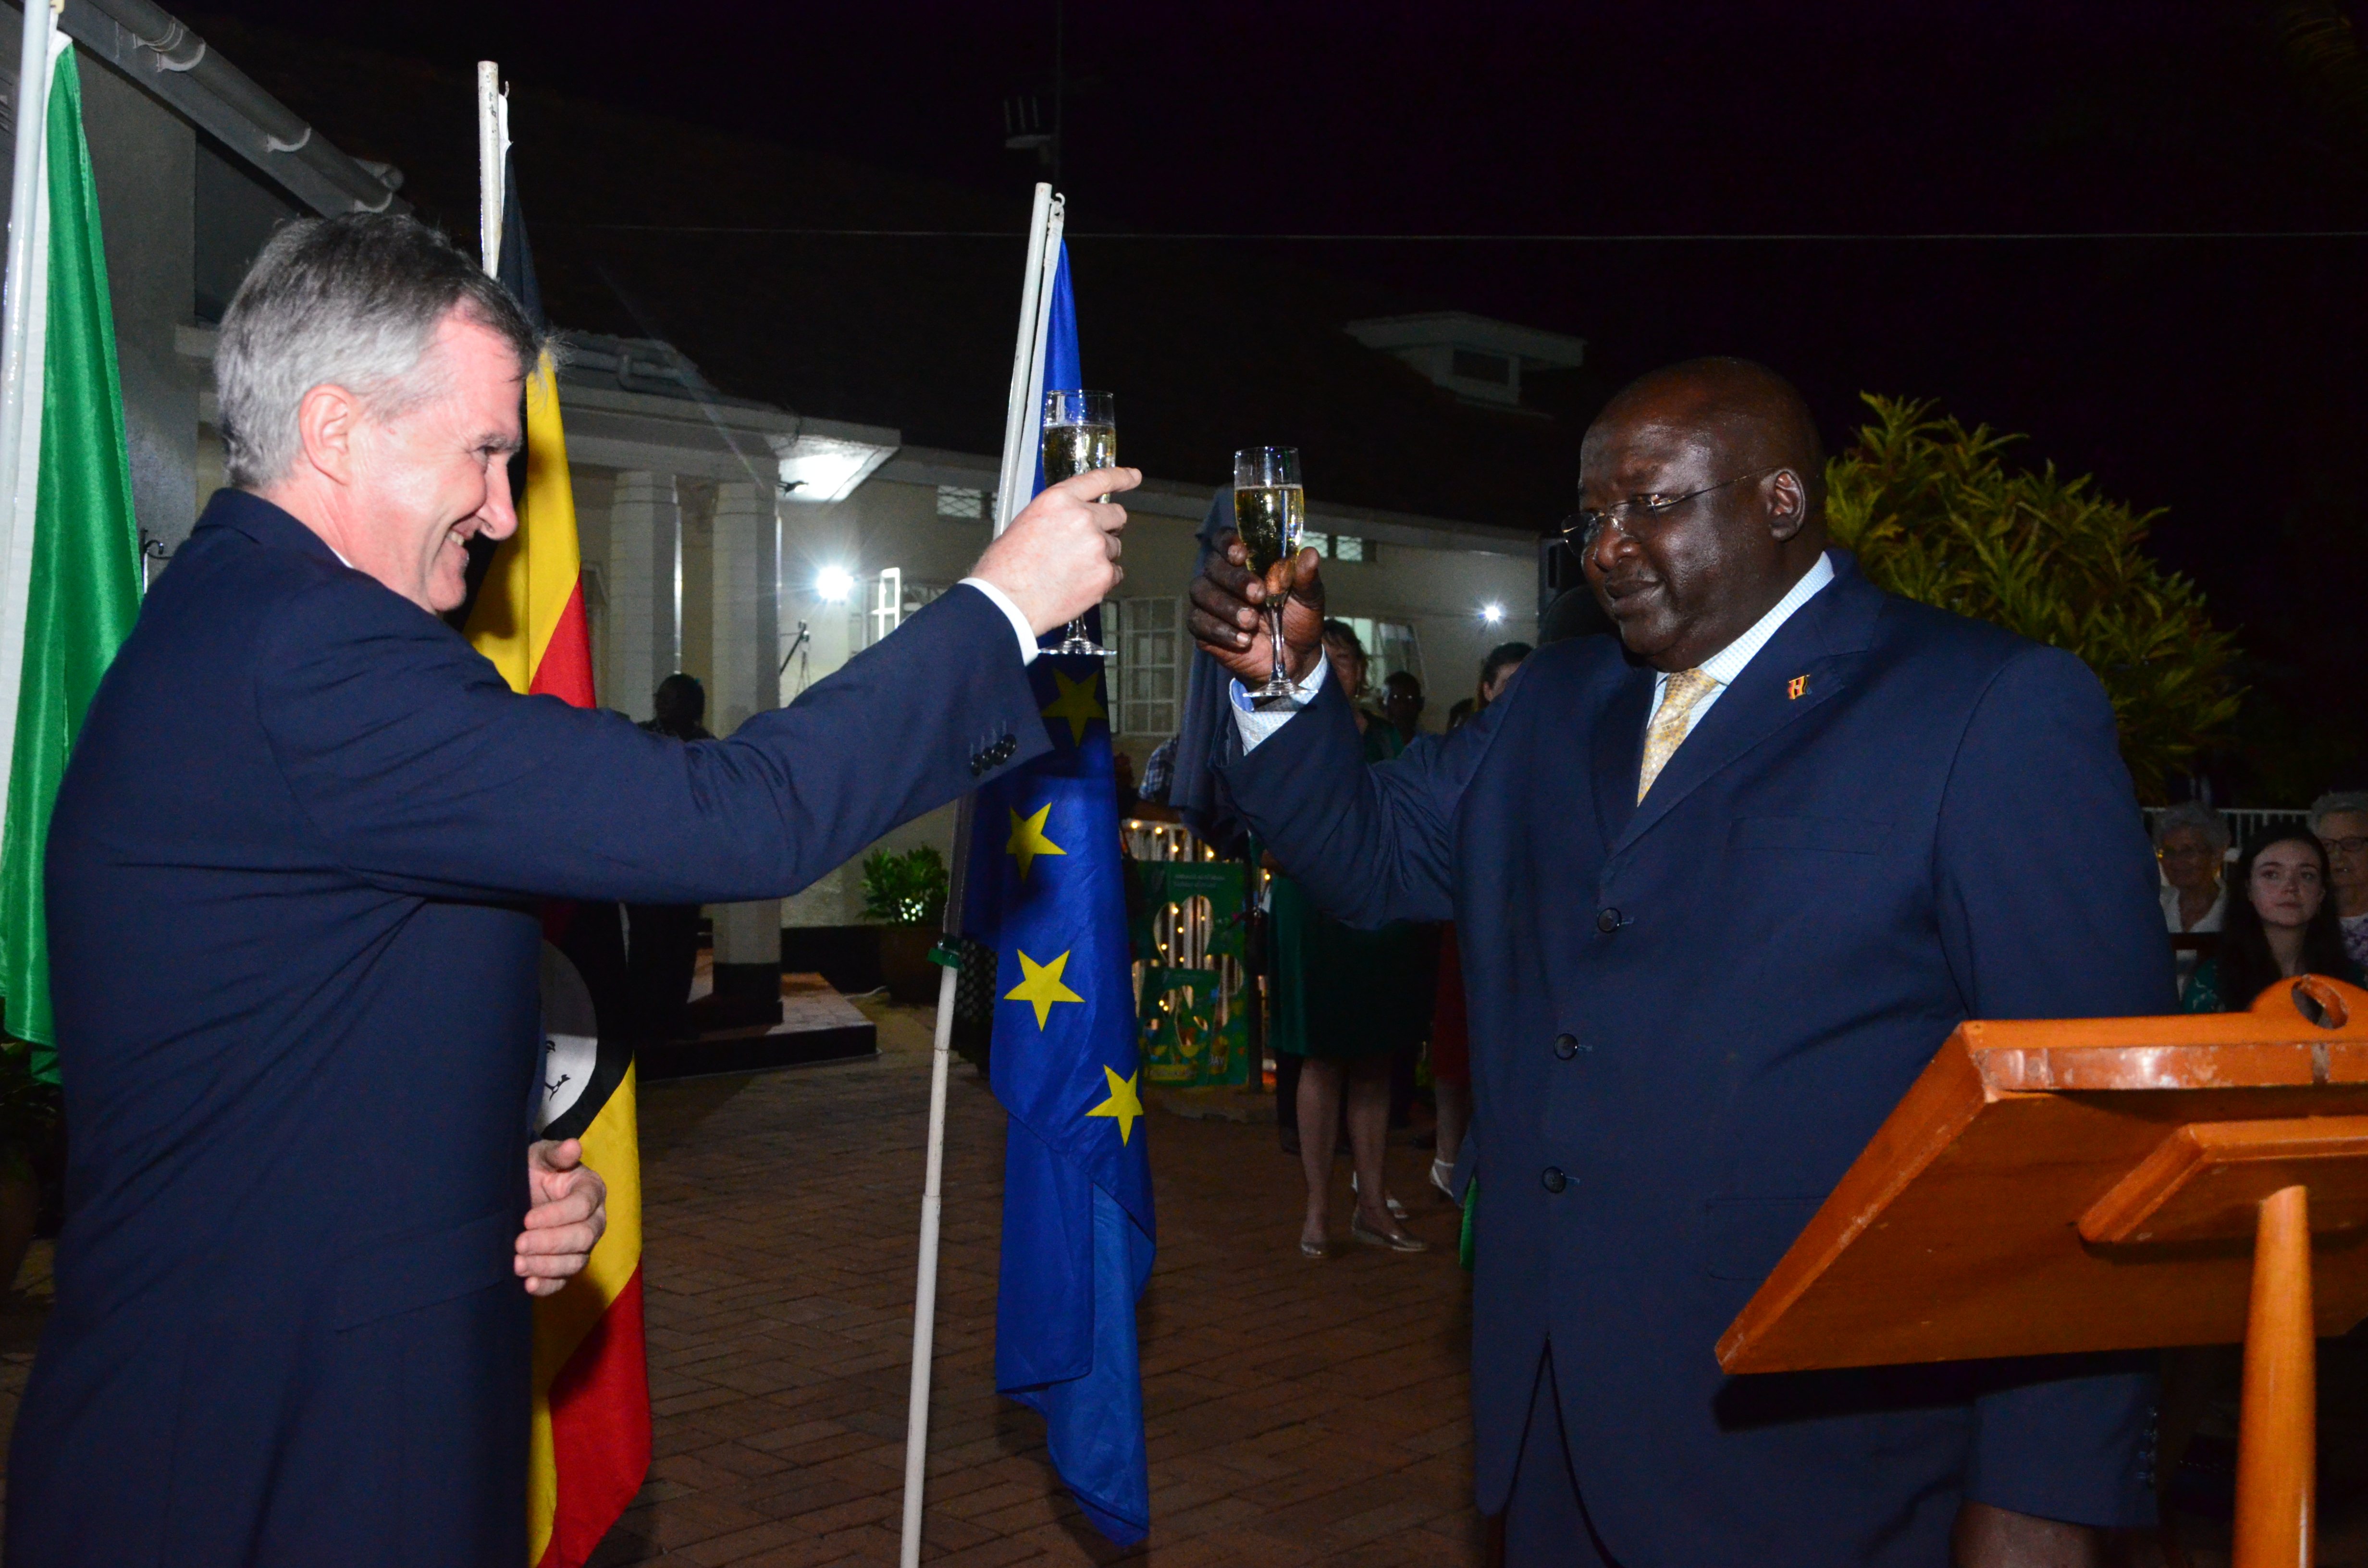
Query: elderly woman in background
{"x": 2191, "y": 841}
{"x": 2280, "y": 924}
{"x": 2340, "y": 823}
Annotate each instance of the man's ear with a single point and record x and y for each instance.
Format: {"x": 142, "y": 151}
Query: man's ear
{"x": 327, "y": 423}
{"x": 1788, "y": 504}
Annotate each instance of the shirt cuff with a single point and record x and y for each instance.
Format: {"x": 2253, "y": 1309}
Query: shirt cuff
{"x": 1020, "y": 626}
{"x": 1256, "y": 724}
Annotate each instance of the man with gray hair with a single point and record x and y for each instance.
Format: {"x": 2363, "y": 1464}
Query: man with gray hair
{"x": 2341, "y": 820}
{"x": 292, "y": 880}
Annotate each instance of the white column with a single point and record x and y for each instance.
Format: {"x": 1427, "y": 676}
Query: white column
{"x": 749, "y": 934}
{"x": 644, "y": 548}
{"x": 744, "y": 656}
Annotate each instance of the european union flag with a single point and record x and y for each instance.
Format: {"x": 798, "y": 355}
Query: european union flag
{"x": 1045, "y": 894}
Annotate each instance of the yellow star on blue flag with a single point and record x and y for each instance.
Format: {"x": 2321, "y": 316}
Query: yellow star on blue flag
{"x": 1076, "y": 704}
{"x": 1027, "y": 840}
{"x": 1125, "y": 1102}
{"x": 1077, "y": 1226}
{"x": 1043, "y": 987}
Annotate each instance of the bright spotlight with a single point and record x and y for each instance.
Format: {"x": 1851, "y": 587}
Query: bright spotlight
{"x": 1492, "y": 613}
{"x": 835, "y": 584}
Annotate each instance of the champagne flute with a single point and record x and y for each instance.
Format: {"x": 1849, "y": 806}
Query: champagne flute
{"x": 1270, "y": 512}
{"x": 1080, "y": 433}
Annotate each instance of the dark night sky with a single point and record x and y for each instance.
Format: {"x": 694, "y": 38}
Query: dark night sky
{"x": 2222, "y": 379}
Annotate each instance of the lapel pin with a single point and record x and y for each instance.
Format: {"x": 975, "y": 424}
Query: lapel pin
{"x": 1798, "y": 688}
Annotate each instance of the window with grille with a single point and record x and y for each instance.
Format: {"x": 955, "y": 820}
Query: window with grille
{"x": 1337, "y": 546}
{"x": 954, "y": 501}
{"x": 1390, "y": 647}
{"x": 887, "y": 612}
{"x": 892, "y": 598}
{"x": 1147, "y": 677}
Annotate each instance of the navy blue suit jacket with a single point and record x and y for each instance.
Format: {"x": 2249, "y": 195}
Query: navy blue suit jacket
{"x": 293, "y": 949}
{"x": 1689, "y": 1016}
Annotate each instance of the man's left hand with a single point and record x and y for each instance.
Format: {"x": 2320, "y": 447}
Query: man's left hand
{"x": 570, "y": 1211}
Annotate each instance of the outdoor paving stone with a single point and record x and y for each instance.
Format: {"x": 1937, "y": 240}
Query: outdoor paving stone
{"x": 1298, "y": 1412}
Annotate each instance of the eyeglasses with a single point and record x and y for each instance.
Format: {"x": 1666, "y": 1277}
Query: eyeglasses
{"x": 1587, "y": 526}
{"x": 2351, "y": 845}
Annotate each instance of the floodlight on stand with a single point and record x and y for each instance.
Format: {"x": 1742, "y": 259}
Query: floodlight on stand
{"x": 835, "y": 584}
{"x": 1492, "y": 613}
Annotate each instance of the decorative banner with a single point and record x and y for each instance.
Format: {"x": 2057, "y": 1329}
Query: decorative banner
{"x": 1195, "y": 1020}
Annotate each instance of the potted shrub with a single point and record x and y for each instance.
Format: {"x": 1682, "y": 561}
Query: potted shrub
{"x": 906, "y": 894}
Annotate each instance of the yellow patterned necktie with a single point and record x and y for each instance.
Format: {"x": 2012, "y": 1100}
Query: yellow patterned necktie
{"x": 1668, "y": 729}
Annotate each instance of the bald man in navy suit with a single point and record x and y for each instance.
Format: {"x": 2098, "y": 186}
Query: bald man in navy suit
{"x": 292, "y": 885}
{"x": 1724, "y": 884}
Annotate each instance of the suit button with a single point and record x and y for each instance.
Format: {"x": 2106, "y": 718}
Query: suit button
{"x": 1607, "y": 920}
{"x": 1565, "y": 1046}
{"x": 1554, "y": 1180}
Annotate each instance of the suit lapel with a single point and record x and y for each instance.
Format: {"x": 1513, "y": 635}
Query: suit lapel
{"x": 1816, "y": 643}
{"x": 1618, "y": 751}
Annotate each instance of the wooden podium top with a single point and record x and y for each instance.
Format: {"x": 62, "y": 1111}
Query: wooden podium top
{"x": 2070, "y": 1185}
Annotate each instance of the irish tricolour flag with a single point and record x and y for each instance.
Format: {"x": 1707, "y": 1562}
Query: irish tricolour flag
{"x": 69, "y": 547}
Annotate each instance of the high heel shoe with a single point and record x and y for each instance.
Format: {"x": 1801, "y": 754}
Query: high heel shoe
{"x": 1442, "y": 1176}
{"x": 1374, "y": 1238}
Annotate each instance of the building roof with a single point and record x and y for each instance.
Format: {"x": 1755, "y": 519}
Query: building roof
{"x": 871, "y": 298}
{"x": 160, "y": 52}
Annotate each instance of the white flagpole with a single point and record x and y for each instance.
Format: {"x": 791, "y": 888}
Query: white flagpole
{"x": 24, "y": 339}
{"x": 1025, "y": 412}
{"x": 493, "y": 141}
{"x": 1019, "y": 445}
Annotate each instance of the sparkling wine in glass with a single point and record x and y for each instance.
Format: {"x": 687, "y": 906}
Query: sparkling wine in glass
{"x": 1269, "y": 513}
{"x": 1080, "y": 434}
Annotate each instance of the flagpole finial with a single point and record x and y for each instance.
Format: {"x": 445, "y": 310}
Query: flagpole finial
{"x": 491, "y": 136}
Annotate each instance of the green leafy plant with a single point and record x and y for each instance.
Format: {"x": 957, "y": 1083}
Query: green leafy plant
{"x": 1935, "y": 512}
{"x": 905, "y": 889}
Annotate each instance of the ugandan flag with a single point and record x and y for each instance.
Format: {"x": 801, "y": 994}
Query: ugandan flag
{"x": 591, "y": 1435}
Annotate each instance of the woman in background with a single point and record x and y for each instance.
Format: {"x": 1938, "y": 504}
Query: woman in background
{"x": 2280, "y": 923}
{"x": 2191, "y": 840}
{"x": 1346, "y": 1001}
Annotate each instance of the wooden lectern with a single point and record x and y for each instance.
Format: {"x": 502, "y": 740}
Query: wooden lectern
{"x": 2109, "y": 1184}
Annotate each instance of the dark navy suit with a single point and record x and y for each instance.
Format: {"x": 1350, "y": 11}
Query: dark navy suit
{"x": 293, "y": 951}
{"x": 1689, "y": 1016}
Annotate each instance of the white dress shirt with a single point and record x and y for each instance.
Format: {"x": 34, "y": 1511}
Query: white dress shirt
{"x": 1722, "y": 666}
{"x": 1728, "y": 662}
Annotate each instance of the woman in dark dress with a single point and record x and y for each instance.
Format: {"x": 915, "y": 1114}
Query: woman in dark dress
{"x": 2280, "y": 923}
{"x": 1346, "y": 1001}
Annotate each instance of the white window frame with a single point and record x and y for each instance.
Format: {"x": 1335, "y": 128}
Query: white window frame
{"x": 887, "y": 611}
{"x": 1149, "y": 636}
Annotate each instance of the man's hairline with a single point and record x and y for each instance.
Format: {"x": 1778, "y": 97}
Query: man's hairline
{"x": 376, "y": 406}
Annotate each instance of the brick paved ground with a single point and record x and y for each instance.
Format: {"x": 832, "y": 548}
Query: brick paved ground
{"x": 1298, "y": 1412}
